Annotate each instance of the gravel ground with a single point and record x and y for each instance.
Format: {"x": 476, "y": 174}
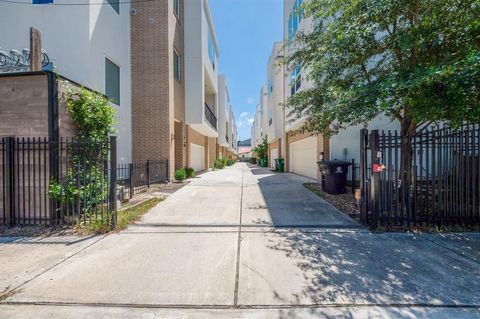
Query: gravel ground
{"x": 344, "y": 202}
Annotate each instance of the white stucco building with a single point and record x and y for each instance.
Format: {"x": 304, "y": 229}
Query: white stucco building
{"x": 302, "y": 151}
{"x": 88, "y": 44}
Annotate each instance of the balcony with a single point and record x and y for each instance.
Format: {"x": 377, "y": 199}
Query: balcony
{"x": 210, "y": 117}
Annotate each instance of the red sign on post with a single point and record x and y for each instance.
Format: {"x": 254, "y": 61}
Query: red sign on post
{"x": 378, "y": 168}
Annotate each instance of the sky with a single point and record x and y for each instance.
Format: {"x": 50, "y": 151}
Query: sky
{"x": 246, "y": 30}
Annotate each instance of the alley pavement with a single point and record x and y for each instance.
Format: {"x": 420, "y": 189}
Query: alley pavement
{"x": 243, "y": 242}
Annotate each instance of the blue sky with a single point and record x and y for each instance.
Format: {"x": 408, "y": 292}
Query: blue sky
{"x": 246, "y": 30}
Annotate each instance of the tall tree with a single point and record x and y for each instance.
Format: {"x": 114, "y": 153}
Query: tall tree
{"x": 415, "y": 61}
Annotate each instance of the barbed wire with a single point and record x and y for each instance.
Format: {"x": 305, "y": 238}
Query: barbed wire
{"x": 76, "y": 4}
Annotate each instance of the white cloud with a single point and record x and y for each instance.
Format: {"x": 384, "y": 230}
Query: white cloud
{"x": 244, "y": 114}
{"x": 244, "y": 121}
{"x": 250, "y": 100}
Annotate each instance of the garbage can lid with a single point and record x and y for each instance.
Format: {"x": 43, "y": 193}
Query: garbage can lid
{"x": 335, "y": 162}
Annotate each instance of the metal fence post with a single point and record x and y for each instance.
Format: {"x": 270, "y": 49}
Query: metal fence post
{"x": 363, "y": 176}
{"x": 375, "y": 184}
{"x": 113, "y": 179}
{"x": 148, "y": 173}
{"x": 9, "y": 181}
{"x": 353, "y": 176}
{"x": 168, "y": 171}
{"x": 131, "y": 173}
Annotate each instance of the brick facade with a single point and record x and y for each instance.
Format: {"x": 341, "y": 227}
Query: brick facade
{"x": 157, "y": 98}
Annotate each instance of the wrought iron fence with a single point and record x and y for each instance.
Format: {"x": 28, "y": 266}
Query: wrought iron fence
{"x": 50, "y": 182}
{"x": 438, "y": 186}
{"x": 135, "y": 178}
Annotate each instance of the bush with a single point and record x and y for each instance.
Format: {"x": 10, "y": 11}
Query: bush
{"x": 190, "y": 172}
{"x": 180, "y": 174}
{"x": 219, "y": 163}
{"x": 230, "y": 162}
{"x": 88, "y": 186}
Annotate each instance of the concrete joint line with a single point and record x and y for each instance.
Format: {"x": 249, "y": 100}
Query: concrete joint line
{"x": 16, "y": 289}
{"x": 454, "y": 251}
{"x": 243, "y": 307}
{"x": 239, "y": 244}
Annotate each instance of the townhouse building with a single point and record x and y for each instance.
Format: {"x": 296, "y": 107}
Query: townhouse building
{"x": 303, "y": 150}
{"x": 175, "y": 84}
{"x": 274, "y": 109}
{"x": 87, "y": 44}
{"x": 156, "y": 60}
{"x": 227, "y": 130}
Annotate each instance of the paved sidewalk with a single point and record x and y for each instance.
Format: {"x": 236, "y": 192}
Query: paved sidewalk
{"x": 247, "y": 243}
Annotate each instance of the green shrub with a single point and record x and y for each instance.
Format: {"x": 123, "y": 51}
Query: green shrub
{"x": 180, "y": 174}
{"x": 190, "y": 172}
{"x": 230, "y": 162}
{"x": 92, "y": 114}
{"x": 219, "y": 163}
{"x": 87, "y": 186}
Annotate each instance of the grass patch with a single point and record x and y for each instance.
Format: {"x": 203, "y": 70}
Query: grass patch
{"x": 124, "y": 218}
{"x": 131, "y": 215}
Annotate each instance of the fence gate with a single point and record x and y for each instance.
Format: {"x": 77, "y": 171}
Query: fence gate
{"x": 48, "y": 182}
{"x": 438, "y": 186}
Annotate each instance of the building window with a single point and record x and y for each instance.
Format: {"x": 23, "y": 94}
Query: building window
{"x": 42, "y": 1}
{"x": 294, "y": 20}
{"x": 212, "y": 53}
{"x": 270, "y": 118}
{"x": 296, "y": 80}
{"x": 176, "y": 66}
{"x": 115, "y": 5}
{"x": 176, "y": 7}
{"x": 112, "y": 81}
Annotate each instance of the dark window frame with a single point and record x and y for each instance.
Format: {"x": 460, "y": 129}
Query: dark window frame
{"x": 177, "y": 66}
{"x": 115, "y": 4}
{"x": 114, "y": 99}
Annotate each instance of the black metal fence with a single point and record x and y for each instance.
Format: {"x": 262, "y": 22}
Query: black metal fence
{"x": 51, "y": 182}
{"x": 438, "y": 186}
{"x": 136, "y": 178}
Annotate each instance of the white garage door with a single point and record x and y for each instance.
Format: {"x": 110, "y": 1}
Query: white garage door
{"x": 303, "y": 157}
{"x": 273, "y": 156}
{"x": 197, "y": 157}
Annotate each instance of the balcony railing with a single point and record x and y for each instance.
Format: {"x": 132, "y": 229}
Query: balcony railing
{"x": 210, "y": 116}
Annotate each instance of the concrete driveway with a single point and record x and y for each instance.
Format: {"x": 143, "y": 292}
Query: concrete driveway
{"x": 247, "y": 243}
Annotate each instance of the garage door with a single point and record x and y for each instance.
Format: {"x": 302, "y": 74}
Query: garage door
{"x": 197, "y": 157}
{"x": 303, "y": 157}
{"x": 273, "y": 156}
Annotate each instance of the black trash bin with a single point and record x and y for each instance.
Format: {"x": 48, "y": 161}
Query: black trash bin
{"x": 334, "y": 176}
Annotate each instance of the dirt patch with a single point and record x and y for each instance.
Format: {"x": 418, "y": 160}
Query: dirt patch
{"x": 343, "y": 202}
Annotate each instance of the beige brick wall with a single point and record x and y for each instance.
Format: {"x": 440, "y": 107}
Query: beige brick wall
{"x": 24, "y": 112}
{"x": 157, "y": 98}
{"x": 24, "y": 106}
